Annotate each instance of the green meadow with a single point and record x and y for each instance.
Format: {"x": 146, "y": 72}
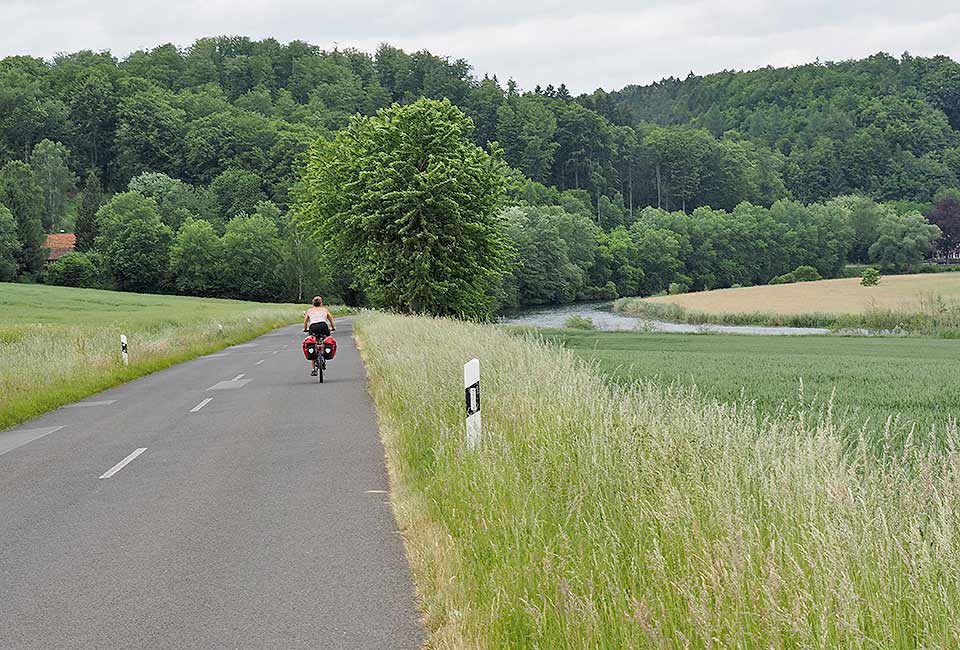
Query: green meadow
{"x": 60, "y": 344}
{"x": 864, "y": 381}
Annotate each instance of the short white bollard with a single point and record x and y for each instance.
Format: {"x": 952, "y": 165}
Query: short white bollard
{"x": 471, "y": 389}
{"x": 123, "y": 350}
{"x": 220, "y": 326}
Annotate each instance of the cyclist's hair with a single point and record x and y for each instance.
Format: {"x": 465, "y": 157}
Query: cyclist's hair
{"x": 317, "y": 301}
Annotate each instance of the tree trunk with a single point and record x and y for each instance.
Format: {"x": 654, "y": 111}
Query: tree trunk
{"x": 659, "y": 196}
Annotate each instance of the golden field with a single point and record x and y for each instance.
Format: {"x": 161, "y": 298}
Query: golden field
{"x": 843, "y": 296}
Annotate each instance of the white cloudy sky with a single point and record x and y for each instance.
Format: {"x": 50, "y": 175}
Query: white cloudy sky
{"x": 604, "y": 43}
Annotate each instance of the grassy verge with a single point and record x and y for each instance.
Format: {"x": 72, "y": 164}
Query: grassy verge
{"x": 58, "y": 345}
{"x": 862, "y": 380}
{"x": 934, "y": 317}
{"x": 598, "y": 515}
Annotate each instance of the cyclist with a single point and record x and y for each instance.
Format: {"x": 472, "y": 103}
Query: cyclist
{"x": 318, "y": 321}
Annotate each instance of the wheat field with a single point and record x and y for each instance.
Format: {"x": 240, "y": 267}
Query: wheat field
{"x": 844, "y": 296}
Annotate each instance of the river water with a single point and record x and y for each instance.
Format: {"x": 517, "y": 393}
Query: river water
{"x": 606, "y": 320}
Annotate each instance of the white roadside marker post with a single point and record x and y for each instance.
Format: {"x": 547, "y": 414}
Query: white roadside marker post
{"x": 123, "y": 350}
{"x": 220, "y": 326}
{"x": 471, "y": 389}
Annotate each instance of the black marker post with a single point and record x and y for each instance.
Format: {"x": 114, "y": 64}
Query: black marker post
{"x": 471, "y": 389}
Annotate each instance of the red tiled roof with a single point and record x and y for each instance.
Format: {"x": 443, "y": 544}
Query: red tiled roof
{"x": 59, "y": 245}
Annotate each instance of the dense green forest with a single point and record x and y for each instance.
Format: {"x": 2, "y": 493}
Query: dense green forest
{"x": 175, "y": 168}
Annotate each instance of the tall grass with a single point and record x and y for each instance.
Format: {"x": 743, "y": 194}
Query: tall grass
{"x": 59, "y": 344}
{"x": 605, "y": 516}
{"x": 934, "y": 316}
{"x": 46, "y": 366}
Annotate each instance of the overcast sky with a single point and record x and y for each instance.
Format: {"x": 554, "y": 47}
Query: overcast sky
{"x": 604, "y": 43}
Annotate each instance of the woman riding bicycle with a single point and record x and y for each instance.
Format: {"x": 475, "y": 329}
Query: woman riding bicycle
{"x": 316, "y": 321}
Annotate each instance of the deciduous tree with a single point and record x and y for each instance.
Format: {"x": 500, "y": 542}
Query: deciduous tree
{"x": 52, "y": 171}
{"x": 413, "y": 207}
{"x": 135, "y": 242}
{"x": 9, "y": 246}
{"x": 21, "y": 194}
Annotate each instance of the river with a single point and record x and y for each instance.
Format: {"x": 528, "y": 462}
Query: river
{"x": 606, "y": 320}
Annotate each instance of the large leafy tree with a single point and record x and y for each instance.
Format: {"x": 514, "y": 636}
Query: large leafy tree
{"x": 134, "y": 241}
{"x": 150, "y": 133}
{"x": 92, "y": 104}
{"x": 56, "y": 180}
{"x": 945, "y": 214}
{"x": 176, "y": 200}
{"x": 196, "y": 259}
{"x": 252, "y": 259}
{"x": 21, "y": 194}
{"x": 305, "y": 273}
{"x": 236, "y": 192}
{"x": 9, "y": 245}
{"x": 544, "y": 273}
{"x": 412, "y": 205}
{"x": 904, "y": 241}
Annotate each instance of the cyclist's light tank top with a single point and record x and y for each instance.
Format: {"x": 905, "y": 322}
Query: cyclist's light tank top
{"x": 318, "y": 314}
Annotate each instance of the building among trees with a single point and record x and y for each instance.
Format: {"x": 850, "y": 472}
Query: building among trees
{"x": 59, "y": 244}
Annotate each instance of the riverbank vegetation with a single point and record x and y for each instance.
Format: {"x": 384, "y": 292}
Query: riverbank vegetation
{"x": 59, "y": 345}
{"x": 603, "y": 515}
{"x": 923, "y": 304}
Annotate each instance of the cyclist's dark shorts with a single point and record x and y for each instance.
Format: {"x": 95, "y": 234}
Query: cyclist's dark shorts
{"x": 321, "y": 329}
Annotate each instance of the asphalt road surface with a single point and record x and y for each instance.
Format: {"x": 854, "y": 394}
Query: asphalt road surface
{"x": 227, "y": 502}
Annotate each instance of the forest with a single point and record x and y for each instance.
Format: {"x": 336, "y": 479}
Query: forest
{"x": 178, "y": 168}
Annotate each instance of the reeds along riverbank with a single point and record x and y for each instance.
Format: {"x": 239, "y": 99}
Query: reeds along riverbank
{"x": 932, "y": 316}
{"x": 595, "y": 515}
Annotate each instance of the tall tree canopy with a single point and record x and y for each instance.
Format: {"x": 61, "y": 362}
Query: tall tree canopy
{"x": 134, "y": 242}
{"x": 21, "y": 194}
{"x": 50, "y": 167}
{"x": 411, "y": 205}
{"x": 9, "y": 246}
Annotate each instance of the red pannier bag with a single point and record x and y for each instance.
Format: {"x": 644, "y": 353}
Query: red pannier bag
{"x": 310, "y": 348}
{"x": 329, "y": 348}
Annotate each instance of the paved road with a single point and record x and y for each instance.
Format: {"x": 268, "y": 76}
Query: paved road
{"x": 258, "y": 521}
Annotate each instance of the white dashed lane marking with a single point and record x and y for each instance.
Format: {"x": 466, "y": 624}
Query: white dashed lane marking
{"x": 123, "y": 463}
{"x": 201, "y": 405}
{"x": 230, "y": 385}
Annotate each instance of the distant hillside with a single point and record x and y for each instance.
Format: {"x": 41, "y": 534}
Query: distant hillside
{"x": 881, "y": 126}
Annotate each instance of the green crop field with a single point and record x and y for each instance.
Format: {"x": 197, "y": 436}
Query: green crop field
{"x": 48, "y": 333}
{"x": 866, "y": 379}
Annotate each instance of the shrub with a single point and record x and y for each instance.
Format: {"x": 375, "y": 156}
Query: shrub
{"x": 806, "y": 274}
{"x": 576, "y": 322}
{"x": 802, "y": 273}
{"x": 76, "y": 270}
{"x": 870, "y": 277}
{"x": 678, "y": 287}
